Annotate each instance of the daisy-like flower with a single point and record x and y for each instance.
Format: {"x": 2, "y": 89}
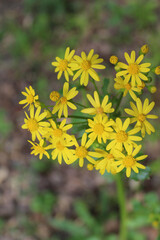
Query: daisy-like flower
{"x": 56, "y": 133}
{"x": 100, "y": 128}
{"x": 85, "y": 66}
{"x": 39, "y": 149}
{"x": 122, "y": 137}
{"x": 81, "y": 152}
{"x": 63, "y": 102}
{"x": 140, "y": 115}
{"x": 98, "y": 108}
{"x": 130, "y": 161}
{"x": 107, "y": 162}
{"x": 34, "y": 123}
{"x": 127, "y": 87}
{"x": 31, "y": 98}
{"x": 62, "y": 65}
{"x": 61, "y": 150}
{"x": 134, "y": 70}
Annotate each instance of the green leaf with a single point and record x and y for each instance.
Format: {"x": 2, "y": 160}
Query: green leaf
{"x": 142, "y": 175}
{"x": 105, "y": 86}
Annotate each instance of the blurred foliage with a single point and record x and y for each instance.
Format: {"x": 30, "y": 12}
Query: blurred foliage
{"x": 6, "y": 125}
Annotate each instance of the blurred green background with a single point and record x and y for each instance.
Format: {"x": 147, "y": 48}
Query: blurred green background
{"x": 40, "y": 200}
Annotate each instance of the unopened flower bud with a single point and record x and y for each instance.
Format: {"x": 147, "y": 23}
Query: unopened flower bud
{"x": 90, "y": 167}
{"x": 54, "y": 96}
{"x": 145, "y": 49}
{"x": 157, "y": 70}
{"x": 113, "y": 60}
{"x": 152, "y": 89}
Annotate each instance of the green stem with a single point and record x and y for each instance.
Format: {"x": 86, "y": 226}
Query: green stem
{"x": 118, "y": 103}
{"x": 95, "y": 86}
{"x": 70, "y": 116}
{"x": 79, "y": 122}
{"x": 122, "y": 207}
{"x": 79, "y": 104}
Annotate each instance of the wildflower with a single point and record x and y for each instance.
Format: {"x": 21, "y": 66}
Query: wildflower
{"x": 122, "y": 137}
{"x": 34, "y": 123}
{"x": 127, "y": 87}
{"x": 145, "y": 49}
{"x": 107, "y": 163}
{"x": 98, "y": 108}
{"x": 85, "y": 66}
{"x": 129, "y": 161}
{"x": 62, "y": 65}
{"x": 157, "y": 70}
{"x": 81, "y": 152}
{"x": 134, "y": 69}
{"x": 54, "y": 96}
{"x": 140, "y": 115}
{"x": 63, "y": 102}
{"x": 100, "y": 128}
{"x": 30, "y": 97}
{"x": 113, "y": 60}
{"x": 39, "y": 149}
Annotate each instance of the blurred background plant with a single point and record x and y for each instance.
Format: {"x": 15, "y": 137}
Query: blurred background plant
{"x": 39, "y": 199}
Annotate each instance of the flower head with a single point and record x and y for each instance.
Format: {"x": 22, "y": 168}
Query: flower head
{"x": 130, "y": 161}
{"x": 85, "y": 66}
{"x": 134, "y": 70}
{"x": 98, "y": 108}
{"x": 63, "y": 103}
{"x": 145, "y": 49}
{"x": 113, "y": 60}
{"x": 62, "y": 64}
{"x": 34, "y": 123}
{"x": 54, "y": 96}
{"x": 39, "y": 149}
{"x": 31, "y": 98}
{"x": 140, "y": 115}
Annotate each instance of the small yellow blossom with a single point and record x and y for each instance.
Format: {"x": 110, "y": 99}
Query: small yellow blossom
{"x": 127, "y": 87}
{"x": 90, "y": 167}
{"x": 98, "y": 108}
{"x": 134, "y": 70}
{"x": 113, "y": 59}
{"x": 62, "y": 65}
{"x": 31, "y": 98}
{"x": 152, "y": 89}
{"x": 129, "y": 161}
{"x": 100, "y": 128}
{"x": 63, "y": 103}
{"x": 54, "y": 96}
{"x": 121, "y": 137}
{"x": 85, "y": 66}
{"x": 157, "y": 70}
{"x": 140, "y": 114}
{"x": 145, "y": 49}
{"x": 34, "y": 123}
{"x": 39, "y": 149}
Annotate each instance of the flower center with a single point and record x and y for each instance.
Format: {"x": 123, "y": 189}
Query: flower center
{"x": 54, "y": 96}
{"x": 81, "y": 152}
{"x": 121, "y": 136}
{"x": 63, "y": 64}
{"x": 57, "y": 132}
{"x": 98, "y": 128}
{"x": 110, "y": 156}
{"x": 39, "y": 149}
{"x": 129, "y": 161}
{"x": 99, "y": 110}
{"x": 32, "y": 124}
{"x": 85, "y": 65}
{"x": 141, "y": 117}
{"x": 30, "y": 98}
{"x": 133, "y": 68}
{"x": 60, "y": 146}
{"x": 128, "y": 86}
{"x": 63, "y": 100}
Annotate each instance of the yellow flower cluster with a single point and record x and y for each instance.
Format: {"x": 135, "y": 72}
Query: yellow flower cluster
{"x": 107, "y": 143}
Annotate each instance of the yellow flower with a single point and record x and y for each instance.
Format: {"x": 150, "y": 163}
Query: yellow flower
{"x": 98, "y": 108}
{"x": 107, "y": 163}
{"x": 152, "y": 89}
{"x": 90, "y": 167}
{"x": 30, "y": 97}
{"x": 34, "y": 123}
{"x": 157, "y": 70}
{"x": 134, "y": 69}
{"x": 100, "y": 128}
{"x": 145, "y": 49}
{"x": 61, "y": 150}
{"x": 63, "y": 102}
{"x": 129, "y": 161}
{"x": 113, "y": 59}
{"x": 56, "y": 133}
{"x": 62, "y": 65}
{"x": 122, "y": 137}
{"x": 54, "y": 96}
{"x": 140, "y": 115}
{"x": 85, "y": 66}
{"x": 122, "y": 84}
{"x": 39, "y": 149}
